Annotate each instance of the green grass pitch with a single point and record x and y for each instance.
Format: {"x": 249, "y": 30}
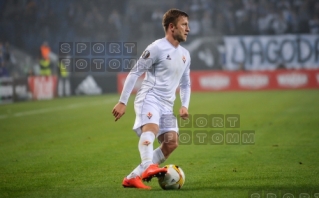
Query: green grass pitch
{"x": 72, "y": 147}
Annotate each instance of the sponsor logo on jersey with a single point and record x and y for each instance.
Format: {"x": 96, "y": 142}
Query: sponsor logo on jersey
{"x": 146, "y": 54}
{"x": 149, "y": 115}
{"x": 168, "y": 57}
{"x": 184, "y": 59}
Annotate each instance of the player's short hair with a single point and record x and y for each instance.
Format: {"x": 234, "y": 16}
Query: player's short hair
{"x": 171, "y": 16}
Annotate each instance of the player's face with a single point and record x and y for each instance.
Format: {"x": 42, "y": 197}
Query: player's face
{"x": 181, "y": 29}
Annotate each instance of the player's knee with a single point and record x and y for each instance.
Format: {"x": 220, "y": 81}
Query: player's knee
{"x": 150, "y": 127}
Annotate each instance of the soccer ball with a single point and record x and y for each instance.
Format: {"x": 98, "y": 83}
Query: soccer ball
{"x": 173, "y": 179}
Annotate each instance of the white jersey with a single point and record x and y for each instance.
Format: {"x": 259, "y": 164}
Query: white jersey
{"x": 166, "y": 67}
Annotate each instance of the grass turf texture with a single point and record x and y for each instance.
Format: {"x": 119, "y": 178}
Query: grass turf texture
{"x": 72, "y": 147}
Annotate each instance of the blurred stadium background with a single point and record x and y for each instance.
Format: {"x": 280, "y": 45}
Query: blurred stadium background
{"x": 234, "y": 44}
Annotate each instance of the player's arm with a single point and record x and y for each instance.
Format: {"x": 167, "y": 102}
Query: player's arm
{"x": 143, "y": 64}
{"x": 120, "y": 108}
{"x": 185, "y": 92}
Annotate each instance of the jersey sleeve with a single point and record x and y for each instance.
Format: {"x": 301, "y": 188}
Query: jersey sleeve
{"x": 185, "y": 86}
{"x": 146, "y": 61}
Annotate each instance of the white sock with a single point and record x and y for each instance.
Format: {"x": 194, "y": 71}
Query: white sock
{"x": 145, "y": 146}
{"x": 158, "y": 158}
{"x": 136, "y": 172}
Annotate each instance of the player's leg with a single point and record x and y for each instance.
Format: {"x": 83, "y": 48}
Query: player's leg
{"x": 168, "y": 133}
{"x": 146, "y": 127}
{"x": 167, "y": 137}
{"x": 149, "y": 132}
{"x": 145, "y": 145}
{"x": 169, "y": 142}
{"x": 148, "y": 168}
{"x": 134, "y": 179}
{"x": 158, "y": 158}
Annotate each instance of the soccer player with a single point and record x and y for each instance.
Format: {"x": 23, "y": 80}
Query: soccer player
{"x": 166, "y": 65}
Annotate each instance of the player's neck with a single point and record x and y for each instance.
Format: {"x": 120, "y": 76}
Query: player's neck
{"x": 170, "y": 39}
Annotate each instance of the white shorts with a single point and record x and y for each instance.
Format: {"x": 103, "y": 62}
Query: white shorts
{"x": 150, "y": 110}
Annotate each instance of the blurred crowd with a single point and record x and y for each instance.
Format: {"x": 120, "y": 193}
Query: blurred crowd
{"x": 5, "y": 59}
{"x": 28, "y": 23}
{"x": 253, "y": 17}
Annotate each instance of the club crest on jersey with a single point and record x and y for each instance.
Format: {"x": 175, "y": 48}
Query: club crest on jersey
{"x": 168, "y": 57}
{"x": 149, "y": 115}
{"x": 184, "y": 59}
{"x": 146, "y": 54}
{"x": 146, "y": 143}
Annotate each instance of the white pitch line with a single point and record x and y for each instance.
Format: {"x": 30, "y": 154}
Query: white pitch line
{"x": 46, "y": 110}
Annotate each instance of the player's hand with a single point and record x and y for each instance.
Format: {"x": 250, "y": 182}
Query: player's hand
{"x": 119, "y": 110}
{"x": 183, "y": 112}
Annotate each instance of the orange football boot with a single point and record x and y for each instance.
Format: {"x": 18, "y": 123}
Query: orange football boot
{"x": 135, "y": 182}
{"x": 153, "y": 171}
